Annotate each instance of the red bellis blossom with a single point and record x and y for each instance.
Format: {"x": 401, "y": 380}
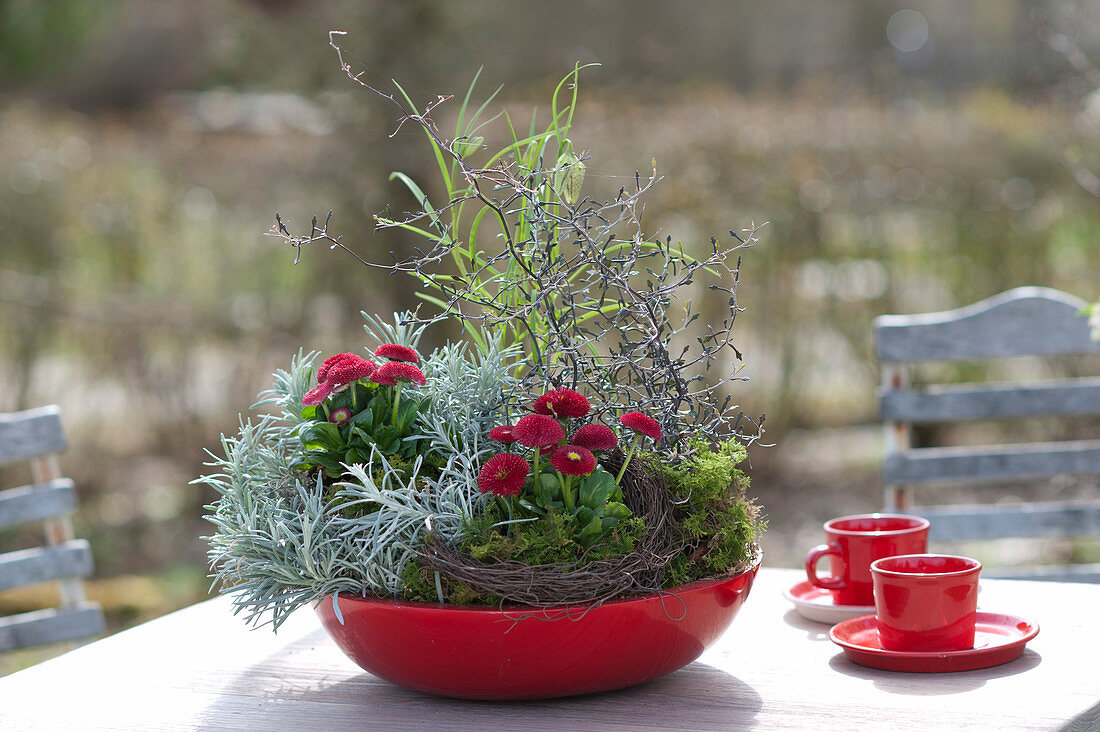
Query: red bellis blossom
{"x": 394, "y": 352}
{"x": 344, "y": 368}
{"x": 382, "y": 379}
{"x": 337, "y": 372}
{"x": 643, "y": 424}
{"x": 562, "y": 403}
{"x": 538, "y": 430}
{"x": 503, "y": 434}
{"x": 391, "y": 372}
{"x": 595, "y": 437}
{"x": 503, "y": 475}
{"x": 316, "y": 395}
{"x": 573, "y": 460}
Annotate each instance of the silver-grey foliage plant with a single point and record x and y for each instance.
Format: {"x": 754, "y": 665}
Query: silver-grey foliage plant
{"x": 279, "y": 544}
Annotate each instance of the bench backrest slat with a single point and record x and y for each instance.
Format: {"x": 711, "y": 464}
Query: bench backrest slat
{"x": 1024, "y": 520}
{"x": 53, "y": 625}
{"x": 1066, "y": 397}
{"x": 42, "y": 564}
{"x": 1026, "y": 321}
{"x": 30, "y": 434}
{"x": 36, "y": 503}
{"x": 987, "y": 464}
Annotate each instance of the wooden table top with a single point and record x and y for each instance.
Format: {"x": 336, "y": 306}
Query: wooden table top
{"x": 201, "y": 668}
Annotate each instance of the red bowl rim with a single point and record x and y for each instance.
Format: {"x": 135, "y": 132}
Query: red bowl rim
{"x": 564, "y": 609}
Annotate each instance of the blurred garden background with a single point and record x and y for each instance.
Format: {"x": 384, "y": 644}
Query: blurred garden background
{"x": 907, "y": 156}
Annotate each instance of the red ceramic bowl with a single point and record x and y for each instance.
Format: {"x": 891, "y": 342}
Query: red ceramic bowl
{"x": 524, "y": 653}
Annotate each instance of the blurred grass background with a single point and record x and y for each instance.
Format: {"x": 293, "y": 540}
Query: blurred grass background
{"x": 907, "y": 156}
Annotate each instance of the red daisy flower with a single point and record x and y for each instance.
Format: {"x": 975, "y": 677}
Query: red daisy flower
{"x": 573, "y": 460}
{"x": 391, "y": 372}
{"x": 562, "y": 403}
{"x": 322, "y": 373}
{"x": 336, "y": 373}
{"x": 502, "y": 434}
{"x": 394, "y": 352}
{"x": 503, "y": 475}
{"x": 643, "y": 424}
{"x": 383, "y": 379}
{"x": 340, "y": 416}
{"x": 538, "y": 430}
{"x": 344, "y": 368}
{"x": 595, "y": 437}
{"x": 317, "y": 394}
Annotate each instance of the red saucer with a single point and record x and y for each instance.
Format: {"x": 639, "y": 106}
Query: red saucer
{"x": 998, "y": 639}
{"x": 818, "y": 605}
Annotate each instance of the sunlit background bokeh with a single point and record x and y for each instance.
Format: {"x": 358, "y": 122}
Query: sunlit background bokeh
{"x": 906, "y": 156}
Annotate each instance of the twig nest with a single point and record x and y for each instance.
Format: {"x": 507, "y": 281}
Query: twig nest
{"x": 587, "y": 582}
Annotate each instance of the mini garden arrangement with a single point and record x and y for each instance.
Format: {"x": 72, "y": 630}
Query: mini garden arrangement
{"x": 563, "y": 476}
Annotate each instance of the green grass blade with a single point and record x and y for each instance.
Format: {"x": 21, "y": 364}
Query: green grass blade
{"x": 481, "y": 109}
{"x": 474, "y": 228}
{"x": 439, "y": 157}
{"x": 466, "y": 101}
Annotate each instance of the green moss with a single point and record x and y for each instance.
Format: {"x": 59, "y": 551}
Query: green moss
{"x": 720, "y": 523}
{"x": 549, "y": 539}
{"x": 419, "y": 584}
{"x": 545, "y": 541}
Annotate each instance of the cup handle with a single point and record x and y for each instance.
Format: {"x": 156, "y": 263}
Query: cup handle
{"x": 829, "y": 583}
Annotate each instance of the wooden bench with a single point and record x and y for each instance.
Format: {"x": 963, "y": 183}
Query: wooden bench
{"x": 36, "y": 435}
{"x": 1027, "y": 321}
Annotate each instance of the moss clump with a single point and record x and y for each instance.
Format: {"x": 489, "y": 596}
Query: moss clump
{"x": 719, "y": 522}
{"x": 419, "y": 585}
{"x": 550, "y": 540}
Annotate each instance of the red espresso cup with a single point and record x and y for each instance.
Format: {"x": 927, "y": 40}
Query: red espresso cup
{"x": 926, "y": 602}
{"x": 856, "y": 541}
